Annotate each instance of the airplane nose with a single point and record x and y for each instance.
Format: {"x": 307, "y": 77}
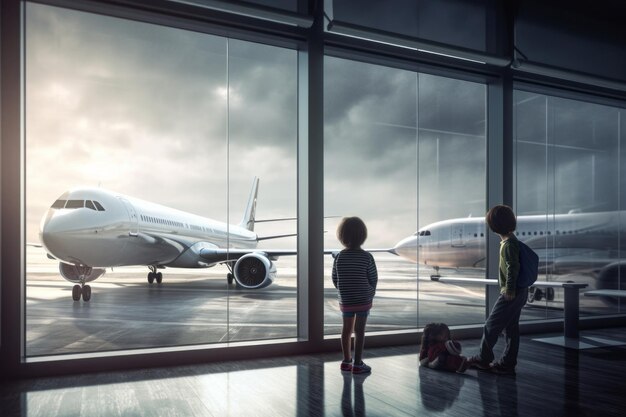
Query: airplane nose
{"x": 408, "y": 242}
{"x": 407, "y": 248}
{"x": 49, "y": 227}
{"x": 52, "y": 228}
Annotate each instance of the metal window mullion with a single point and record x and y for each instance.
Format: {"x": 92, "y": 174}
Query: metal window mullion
{"x": 311, "y": 185}
{"x": 499, "y": 169}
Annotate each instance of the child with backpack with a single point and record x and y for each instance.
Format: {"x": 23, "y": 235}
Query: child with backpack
{"x": 506, "y": 312}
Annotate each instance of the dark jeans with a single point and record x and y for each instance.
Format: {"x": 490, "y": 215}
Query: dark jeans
{"x": 504, "y": 316}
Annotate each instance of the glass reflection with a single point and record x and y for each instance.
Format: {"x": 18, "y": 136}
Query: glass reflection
{"x": 405, "y": 149}
{"x": 176, "y": 122}
{"x": 370, "y": 171}
{"x": 262, "y": 127}
{"x": 567, "y": 156}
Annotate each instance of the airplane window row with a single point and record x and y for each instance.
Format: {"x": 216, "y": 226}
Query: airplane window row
{"x": 74, "y": 204}
{"x": 161, "y": 221}
{"x": 541, "y": 233}
{"x": 533, "y": 233}
{"x": 173, "y": 223}
{"x": 200, "y": 228}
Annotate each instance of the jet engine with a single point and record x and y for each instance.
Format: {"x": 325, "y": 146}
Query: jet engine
{"x": 254, "y": 270}
{"x": 612, "y": 277}
{"x": 79, "y": 274}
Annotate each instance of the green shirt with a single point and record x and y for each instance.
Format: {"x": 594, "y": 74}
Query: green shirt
{"x": 509, "y": 265}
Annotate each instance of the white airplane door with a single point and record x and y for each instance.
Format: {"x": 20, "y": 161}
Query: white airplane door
{"x": 132, "y": 215}
{"x": 456, "y": 235}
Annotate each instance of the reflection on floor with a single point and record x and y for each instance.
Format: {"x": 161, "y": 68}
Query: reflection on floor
{"x": 551, "y": 382}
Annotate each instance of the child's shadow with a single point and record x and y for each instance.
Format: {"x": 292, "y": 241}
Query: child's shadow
{"x": 439, "y": 389}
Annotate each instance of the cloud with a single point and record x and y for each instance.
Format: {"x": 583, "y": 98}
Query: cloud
{"x": 164, "y": 114}
{"x": 375, "y": 153}
{"x": 137, "y": 108}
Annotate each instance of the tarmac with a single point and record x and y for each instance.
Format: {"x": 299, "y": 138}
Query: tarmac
{"x": 199, "y": 307}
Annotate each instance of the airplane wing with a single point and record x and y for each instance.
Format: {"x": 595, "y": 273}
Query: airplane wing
{"x": 220, "y": 255}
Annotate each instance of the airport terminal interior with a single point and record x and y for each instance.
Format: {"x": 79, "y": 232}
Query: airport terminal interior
{"x": 174, "y": 173}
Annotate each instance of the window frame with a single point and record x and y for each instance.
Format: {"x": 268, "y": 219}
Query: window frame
{"x": 312, "y": 44}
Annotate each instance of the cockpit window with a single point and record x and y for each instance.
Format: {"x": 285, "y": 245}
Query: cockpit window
{"x": 98, "y": 206}
{"x": 72, "y": 204}
{"x": 427, "y": 233}
{"x": 59, "y": 204}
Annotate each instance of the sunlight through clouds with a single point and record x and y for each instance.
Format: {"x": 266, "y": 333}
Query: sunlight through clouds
{"x": 143, "y": 110}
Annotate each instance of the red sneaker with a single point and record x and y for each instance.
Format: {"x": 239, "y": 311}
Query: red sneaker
{"x": 346, "y": 366}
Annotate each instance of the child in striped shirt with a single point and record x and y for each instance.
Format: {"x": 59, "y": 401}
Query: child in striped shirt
{"x": 355, "y": 276}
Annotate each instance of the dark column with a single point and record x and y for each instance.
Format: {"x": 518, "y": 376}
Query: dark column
{"x": 12, "y": 288}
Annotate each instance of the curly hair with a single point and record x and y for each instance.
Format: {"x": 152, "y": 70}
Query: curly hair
{"x": 352, "y": 232}
{"x": 430, "y": 334}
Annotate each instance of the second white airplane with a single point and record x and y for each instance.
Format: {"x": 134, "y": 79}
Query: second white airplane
{"x": 91, "y": 229}
{"x": 584, "y": 246}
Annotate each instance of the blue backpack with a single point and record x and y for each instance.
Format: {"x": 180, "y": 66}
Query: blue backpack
{"x": 528, "y": 266}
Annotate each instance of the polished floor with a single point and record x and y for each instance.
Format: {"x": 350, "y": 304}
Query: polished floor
{"x": 551, "y": 381}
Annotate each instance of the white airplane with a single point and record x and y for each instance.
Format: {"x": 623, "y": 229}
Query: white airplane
{"x": 568, "y": 245}
{"x": 90, "y": 229}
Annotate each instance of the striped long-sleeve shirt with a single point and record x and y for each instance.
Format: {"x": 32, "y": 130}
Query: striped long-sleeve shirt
{"x": 355, "y": 276}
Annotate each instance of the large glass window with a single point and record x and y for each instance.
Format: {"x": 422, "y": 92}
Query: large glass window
{"x": 406, "y": 152}
{"x": 570, "y": 207}
{"x": 166, "y": 131}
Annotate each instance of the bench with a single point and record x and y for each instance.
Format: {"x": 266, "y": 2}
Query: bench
{"x": 571, "y": 338}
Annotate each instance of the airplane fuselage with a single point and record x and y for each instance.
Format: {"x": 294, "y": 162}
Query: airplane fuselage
{"x": 122, "y": 230}
{"x": 559, "y": 240}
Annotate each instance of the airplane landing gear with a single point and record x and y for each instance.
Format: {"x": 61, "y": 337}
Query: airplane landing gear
{"x": 82, "y": 289}
{"x": 230, "y": 277}
{"x": 78, "y": 291}
{"x": 435, "y": 276}
{"x": 536, "y": 294}
{"x": 86, "y": 293}
{"x": 154, "y": 275}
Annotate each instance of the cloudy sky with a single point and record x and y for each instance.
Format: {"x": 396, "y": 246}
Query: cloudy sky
{"x": 174, "y": 117}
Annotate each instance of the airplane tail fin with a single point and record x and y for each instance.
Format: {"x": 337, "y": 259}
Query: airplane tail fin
{"x": 248, "y": 216}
